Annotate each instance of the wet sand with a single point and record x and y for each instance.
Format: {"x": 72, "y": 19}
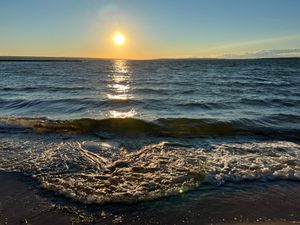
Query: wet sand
{"x": 23, "y": 202}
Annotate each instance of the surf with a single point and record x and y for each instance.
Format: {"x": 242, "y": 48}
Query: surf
{"x": 164, "y": 127}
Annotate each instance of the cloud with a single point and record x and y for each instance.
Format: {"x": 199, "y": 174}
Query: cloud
{"x": 273, "y": 53}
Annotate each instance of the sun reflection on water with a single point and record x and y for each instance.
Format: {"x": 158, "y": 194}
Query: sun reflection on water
{"x": 119, "y": 88}
{"x": 118, "y": 114}
{"x": 119, "y": 83}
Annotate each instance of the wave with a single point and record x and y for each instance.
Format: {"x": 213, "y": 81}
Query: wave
{"x": 66, "y": 105}
{"x": 44, "y": 88}
{"x": 207, "y": 105}
{"x": 91, "y": 172}
{"x": 270, "y": 101}
{"x": 172, "y": 127}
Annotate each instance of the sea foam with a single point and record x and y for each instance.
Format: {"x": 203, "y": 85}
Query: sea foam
{"x": 96, "y": 172}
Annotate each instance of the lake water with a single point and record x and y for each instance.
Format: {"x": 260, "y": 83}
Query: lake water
{"x": 122, "y": 131}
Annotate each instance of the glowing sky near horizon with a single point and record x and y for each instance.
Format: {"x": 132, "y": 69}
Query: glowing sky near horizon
{"x": 153, "y": 29}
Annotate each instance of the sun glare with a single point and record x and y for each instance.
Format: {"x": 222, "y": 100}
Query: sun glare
{"x": 119, "y": 39}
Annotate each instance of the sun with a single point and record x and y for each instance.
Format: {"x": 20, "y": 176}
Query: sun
{"x": 119, "y": 39}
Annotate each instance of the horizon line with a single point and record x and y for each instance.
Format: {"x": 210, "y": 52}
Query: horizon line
{"x": 78, "y": 58}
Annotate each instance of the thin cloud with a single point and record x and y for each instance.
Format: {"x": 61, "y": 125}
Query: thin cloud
{"x": 255, "y": 42}
{"x": 273, "y": 53}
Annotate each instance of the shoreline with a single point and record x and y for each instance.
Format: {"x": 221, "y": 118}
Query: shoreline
{"x": 21, "y": 201}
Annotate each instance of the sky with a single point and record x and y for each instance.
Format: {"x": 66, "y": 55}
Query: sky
{"x": 153, "y": 29}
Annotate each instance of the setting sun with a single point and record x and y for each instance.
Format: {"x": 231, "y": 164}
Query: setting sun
{"x": 119, "y": 39}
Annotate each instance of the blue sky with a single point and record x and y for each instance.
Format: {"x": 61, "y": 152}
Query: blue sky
{"x": 153, "y": 29}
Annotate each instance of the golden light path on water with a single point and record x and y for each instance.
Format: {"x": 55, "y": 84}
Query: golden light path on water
{"x": 119, "y": 86}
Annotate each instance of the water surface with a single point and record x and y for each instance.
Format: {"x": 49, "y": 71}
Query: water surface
{"x": 121, "y": 131}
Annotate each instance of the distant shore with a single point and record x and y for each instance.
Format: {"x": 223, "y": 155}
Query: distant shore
{"x": 78, "y": 59}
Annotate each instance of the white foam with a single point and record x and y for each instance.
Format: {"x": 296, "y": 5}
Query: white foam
{"x": 95, "y": 172}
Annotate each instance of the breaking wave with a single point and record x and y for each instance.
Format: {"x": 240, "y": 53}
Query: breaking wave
{"x": 172, "y": 127}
